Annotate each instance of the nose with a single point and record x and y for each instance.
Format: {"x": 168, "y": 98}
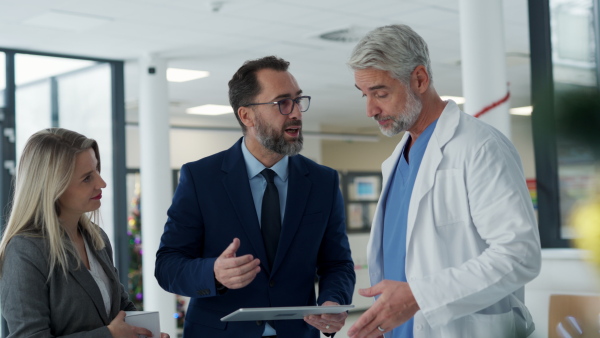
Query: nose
{"x": 372, "y": 108}
{"x": 102, "y": 184}
{"x": 296, "y": 114}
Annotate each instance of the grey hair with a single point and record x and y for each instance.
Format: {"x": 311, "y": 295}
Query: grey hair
{"x": 396, "y": 49}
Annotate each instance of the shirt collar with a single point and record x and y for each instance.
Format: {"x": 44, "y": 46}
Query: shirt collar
{"x": 254, "y": 167}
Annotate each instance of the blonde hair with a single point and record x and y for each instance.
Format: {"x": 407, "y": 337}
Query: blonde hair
{"x": 45, "y": 171}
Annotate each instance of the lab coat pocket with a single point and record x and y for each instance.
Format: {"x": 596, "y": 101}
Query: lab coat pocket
{"x": 450, "y": 203}
{"x": 500, "y": 325}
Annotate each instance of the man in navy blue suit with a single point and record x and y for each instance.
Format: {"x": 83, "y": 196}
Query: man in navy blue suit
{"x": 213, "y": 246}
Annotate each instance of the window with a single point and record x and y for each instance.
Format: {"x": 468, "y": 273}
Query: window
{"x": 564, "y": 61}
{"x": 84, "y": 95}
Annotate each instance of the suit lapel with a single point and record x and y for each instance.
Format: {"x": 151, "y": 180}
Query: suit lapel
{"x": 115, "y": 284}
{"x": 297, "y": 197}
{"x": 237, "y": 187}
{"x": 87, "y": 282}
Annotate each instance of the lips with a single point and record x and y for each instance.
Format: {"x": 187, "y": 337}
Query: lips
{"x": 97, "y": 197}
{"x": 293, "y": 128}
{"x": 382, "y": 120}
{"x": 293, "y": 131}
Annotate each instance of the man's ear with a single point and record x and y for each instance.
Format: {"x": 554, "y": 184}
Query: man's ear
{"x": 246, "y": 115}
{"x": 420, "y": 79}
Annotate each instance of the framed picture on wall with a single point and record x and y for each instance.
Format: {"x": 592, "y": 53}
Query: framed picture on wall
{"x": 365, "y": 188}
{"x": 361, "y": 192}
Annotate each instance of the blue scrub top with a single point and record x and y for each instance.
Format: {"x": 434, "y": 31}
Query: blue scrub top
{"x": 396, "y": 217}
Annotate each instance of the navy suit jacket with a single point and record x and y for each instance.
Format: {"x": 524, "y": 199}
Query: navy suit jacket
{"x": 213, "y": 204}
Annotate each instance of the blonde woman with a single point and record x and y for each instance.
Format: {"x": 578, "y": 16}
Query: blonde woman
{"x": 57, "y": 274}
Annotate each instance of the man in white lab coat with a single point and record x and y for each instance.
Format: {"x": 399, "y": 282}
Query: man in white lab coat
{"x": 454, "y": 238}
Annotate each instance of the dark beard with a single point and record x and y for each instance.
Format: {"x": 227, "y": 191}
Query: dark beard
{"x": 275, "y": 142}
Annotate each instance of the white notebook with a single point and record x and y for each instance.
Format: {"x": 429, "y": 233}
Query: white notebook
{"x": 147, "y": 319}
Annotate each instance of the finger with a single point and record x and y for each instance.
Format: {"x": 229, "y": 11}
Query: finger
{"x": 365, "y": 319}
{"x": 164, "y": 335}
{"x": 231, "y": 249}
{"x": 371, "y": 330}
{"x": 324, "y": 326}
{"x": 370, "y": 292}
{"x": 317, "y": 320}
{"x": 335, "y": 317}
{"x": 245, "y": 266}
{"x": 329, "y": 303}
{"x": 240, "y": 270}
{"x": 142, "y": 331}
{"x": 121, "y": 315}
{"x": 317, "y": 323}
{"x": 237, "y": 282}
{"x": 235, "y": 262}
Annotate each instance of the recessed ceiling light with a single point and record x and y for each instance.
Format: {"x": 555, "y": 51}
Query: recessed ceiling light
{"x": 348, "y": 34}
{"x": 210, "y": 109}
{"x": 524, "y": 111}
{"x": 183, "y": 75}
{"x": 457, "y": 99}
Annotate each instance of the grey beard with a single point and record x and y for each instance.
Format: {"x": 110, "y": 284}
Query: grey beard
{"x": 412, "y": 110}
{"x": 276, "y": 142}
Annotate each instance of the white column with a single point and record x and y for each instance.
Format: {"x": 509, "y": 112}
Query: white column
{"x": 484, "y": 61}
{"x": 156, "y": 190}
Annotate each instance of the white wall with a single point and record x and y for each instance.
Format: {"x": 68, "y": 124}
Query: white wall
{"x": 191, "y": 145}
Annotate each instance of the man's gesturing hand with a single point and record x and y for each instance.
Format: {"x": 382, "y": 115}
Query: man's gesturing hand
{"x": 235, "y": 272}
{"x": 395, "y": 305}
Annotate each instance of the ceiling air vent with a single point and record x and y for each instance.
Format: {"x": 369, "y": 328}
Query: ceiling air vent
{"x": 346, "y": 35}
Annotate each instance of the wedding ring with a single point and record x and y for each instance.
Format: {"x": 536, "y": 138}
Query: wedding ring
{"x": 380, "y": 329}
{"x": 327, "y": 327}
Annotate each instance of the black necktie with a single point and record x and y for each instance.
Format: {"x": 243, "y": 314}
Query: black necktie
{"x": 270, "y": 223}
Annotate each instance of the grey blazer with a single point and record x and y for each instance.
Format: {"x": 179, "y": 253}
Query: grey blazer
{"x": 59, "y": 307}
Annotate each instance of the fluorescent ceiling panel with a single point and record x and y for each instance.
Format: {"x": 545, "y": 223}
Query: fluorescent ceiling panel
{"x": 184, "y": 75}
{"x": 524, "y": 111}
{"x": 210, "y": 109}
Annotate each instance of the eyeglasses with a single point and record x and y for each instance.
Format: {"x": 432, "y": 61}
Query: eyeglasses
{"x": 286, "y": 106}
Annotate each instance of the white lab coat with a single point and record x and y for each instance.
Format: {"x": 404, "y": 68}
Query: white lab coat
{"x": 472, "y": 237}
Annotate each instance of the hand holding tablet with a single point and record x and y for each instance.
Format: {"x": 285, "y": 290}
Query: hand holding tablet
{"x": 282, "y": 313}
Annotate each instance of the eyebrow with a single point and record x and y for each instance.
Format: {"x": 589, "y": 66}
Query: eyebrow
{"x": 287, "y": 96}
{"x": 372, "y": 88}
{"x": 86, "y": 174}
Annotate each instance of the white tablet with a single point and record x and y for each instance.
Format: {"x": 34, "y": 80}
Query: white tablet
{"x": 282, "y": 313}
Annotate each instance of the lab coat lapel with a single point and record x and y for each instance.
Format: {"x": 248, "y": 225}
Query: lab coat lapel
{"x": 445, "y": 129}
{"x": 374, "y": 246}
{"x": 297, "y": 196}
{"x": 237, "y": 186}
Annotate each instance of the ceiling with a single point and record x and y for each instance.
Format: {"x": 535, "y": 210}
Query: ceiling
{"x": 218, "y": 36}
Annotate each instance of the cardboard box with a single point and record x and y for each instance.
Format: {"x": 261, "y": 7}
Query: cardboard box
{"x": 146, "y": 319}
{"x": 574, "y": 316}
